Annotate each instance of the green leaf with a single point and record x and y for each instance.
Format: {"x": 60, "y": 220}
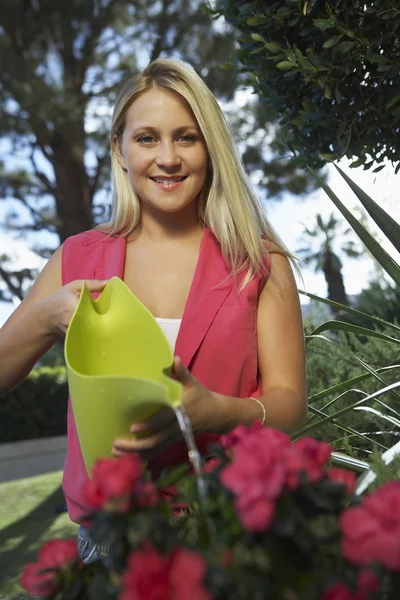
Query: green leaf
{"x": 347, "y": 385}
{"x": 328, "y": 93}
{"x": 357, "y": 163}
{"x": 379, "y": 169}
{"x": 383, "y": 258}
{"x": 171, "y": 476}
{"x": 257, "y": 38}
{"x": 351, "y": 310}
{"x": 273, "y": 47}
{"x": 332, "y": 41}
{"x": 328, "y": 157}
{"x": 376, "y": 58}
{"x": 385, "y": 222}
{"x": 342, "y": 411}
{"x": 283, "y": 65}
{"x": 345, "y": 46}
{"x": 396, "y": 111}
{"x": 323, "y": 24}
{"x": 257, "y": 50}
{"x": 350, "y": 328}
{"x": 257, "y": 20}
{"x": 392, "y": 102}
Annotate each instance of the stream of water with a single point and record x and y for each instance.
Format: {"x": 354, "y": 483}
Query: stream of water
{"x": 193, "y": 453}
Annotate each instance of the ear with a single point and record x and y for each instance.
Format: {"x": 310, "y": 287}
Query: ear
{"x": 118, "y": 152}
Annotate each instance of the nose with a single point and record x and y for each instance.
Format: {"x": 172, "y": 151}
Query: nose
{"x": 167, "y": 155}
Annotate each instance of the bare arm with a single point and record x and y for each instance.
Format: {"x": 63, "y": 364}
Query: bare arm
{"x": 38, "y": 321}
{"x": 281, "y": 358}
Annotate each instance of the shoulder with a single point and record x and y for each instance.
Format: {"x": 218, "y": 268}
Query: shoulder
{"x": 87, "y": 238}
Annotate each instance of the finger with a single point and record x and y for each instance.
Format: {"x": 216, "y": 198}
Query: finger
{"x": 156, "y": 422}
{"x": 182, "y": 373}
{"x": 147, "y": 443}
{"x": 116, "y": 453}
{"x": 94, "y": 285}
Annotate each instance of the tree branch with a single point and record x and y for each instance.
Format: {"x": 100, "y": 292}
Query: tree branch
{"x": 40, "y": 175}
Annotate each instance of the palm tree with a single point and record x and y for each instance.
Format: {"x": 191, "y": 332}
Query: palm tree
{"x": 325, "y": 258}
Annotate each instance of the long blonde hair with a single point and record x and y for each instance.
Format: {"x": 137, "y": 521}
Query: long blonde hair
{"x": 227, "y": 205}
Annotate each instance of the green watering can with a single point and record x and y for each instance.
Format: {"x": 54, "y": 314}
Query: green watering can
{"x": 119, "y": 364}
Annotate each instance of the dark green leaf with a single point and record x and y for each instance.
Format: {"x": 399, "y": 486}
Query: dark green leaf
{"x": 323, "y": 24}
{"x": 392, "y": 102}
{"x": 171, "y": 477}
{"x": 332, "y": 41}
{"x": 257, "y": 20}
{"x": 273, "y": 47}
{"x": 357, "y": 163}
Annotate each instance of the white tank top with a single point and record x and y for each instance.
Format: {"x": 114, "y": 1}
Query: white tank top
{"x": 171, "y": 329}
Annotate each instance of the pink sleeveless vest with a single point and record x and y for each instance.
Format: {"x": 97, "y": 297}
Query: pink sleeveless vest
{"x": 217, "y": 339}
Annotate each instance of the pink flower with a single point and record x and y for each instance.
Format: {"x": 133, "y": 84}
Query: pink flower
{"x": 257, "y": 477}
{"x": 146, "y": 494}
{"x": 340, "y": 591}
{"x": 307, "y": 456}
{"x": 371, "y": 532}
{"x": 177, "y": 576}
{"x": 57, "y": 555}
{"x": 230, "y": 439}
{"x": 113, "y": 482}
{"x": 368, "y": 582}
{"x": 37, "y": 583}
{"x": 348, "y": 478}
{"x": 211, "y": 465}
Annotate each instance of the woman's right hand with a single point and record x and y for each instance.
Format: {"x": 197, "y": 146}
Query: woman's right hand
{"x": 58, "y": 308}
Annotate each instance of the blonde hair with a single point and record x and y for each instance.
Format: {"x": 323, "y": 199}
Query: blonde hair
{"x": 227, "y": 205}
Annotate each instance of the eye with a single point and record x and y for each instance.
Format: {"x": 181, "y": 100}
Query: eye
{"x": 146, "y": 139}
{"x": 186, "y": 138}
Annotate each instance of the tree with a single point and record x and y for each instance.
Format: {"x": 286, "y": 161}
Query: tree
{"x": 325, "y": 258}
{"x": 61, "y": 66}
{"x": 382, "y": 300}
{"x": 328, "y": 70}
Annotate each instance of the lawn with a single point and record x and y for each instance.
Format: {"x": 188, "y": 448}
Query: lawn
{"x": 28, "y": 518}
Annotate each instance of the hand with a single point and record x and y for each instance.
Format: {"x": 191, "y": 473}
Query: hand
{"x": 162, "y": 429}
{"x": 59, "y": 307}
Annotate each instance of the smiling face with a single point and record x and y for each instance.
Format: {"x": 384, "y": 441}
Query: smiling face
{"x": 164, "y": 153}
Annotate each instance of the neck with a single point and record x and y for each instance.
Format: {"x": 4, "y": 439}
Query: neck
{"x": 168, "y": 227}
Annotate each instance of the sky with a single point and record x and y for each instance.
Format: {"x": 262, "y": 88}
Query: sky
{"x": 288, "y": 218}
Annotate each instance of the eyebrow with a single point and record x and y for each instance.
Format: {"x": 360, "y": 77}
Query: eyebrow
{"x": 177, "y": 131}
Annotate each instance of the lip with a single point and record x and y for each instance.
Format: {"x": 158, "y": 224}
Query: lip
{"x": 169, "y": 187}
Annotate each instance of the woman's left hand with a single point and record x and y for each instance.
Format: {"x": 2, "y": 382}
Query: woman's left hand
{"x": 162, "y": 429}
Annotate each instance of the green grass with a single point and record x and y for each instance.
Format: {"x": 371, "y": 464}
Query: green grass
{"x": 28, "y": 518}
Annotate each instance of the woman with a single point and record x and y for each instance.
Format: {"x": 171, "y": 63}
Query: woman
{"x": 189, "y": 238}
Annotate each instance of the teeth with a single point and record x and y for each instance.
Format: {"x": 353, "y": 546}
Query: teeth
{"x": 167, "y": 181}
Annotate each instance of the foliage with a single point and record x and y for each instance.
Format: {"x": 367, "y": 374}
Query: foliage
{"x": 329, "y": 70}
{"x": 37, "y": 408}
{"x": 330, "y": 365}
{"x": 62, "y": 66}
{"x": 268, "y": 502}
{"x": 380, "y": 299}
{"x": 331, "y": 405}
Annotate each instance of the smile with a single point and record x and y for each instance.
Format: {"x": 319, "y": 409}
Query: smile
{"x": 168, "y": 181}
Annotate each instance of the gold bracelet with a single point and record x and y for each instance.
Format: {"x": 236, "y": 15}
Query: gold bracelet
{"x": 263, "y": 408}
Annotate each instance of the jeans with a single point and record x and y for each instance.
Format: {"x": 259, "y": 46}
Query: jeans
{"x": 89, "y": 551}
